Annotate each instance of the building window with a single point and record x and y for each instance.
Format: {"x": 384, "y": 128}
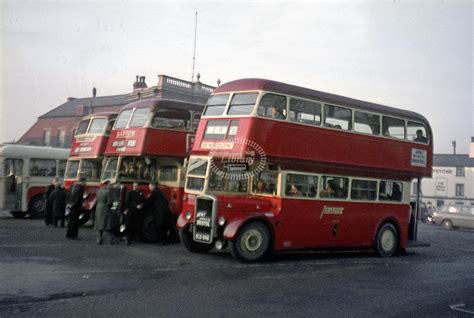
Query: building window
{"x": 61, "y": 137}
{"x": 47, "y": 137}
{"x": 460, "y": 172}
{"x": 459, "y": 189}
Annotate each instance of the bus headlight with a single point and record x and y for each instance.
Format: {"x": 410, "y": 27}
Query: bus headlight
{"x": 188, "y": 215}
{"x": 221, "y": 221}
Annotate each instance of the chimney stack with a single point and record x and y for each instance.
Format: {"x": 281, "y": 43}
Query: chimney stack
{"x": 139, "y": 82}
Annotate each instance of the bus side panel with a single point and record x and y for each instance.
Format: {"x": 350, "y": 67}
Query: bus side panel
{"x": 327, "y": 223}
{"x": 361, "y": 221}
{"x": 313, "y": 230}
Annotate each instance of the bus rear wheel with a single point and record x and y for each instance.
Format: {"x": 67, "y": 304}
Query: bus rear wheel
{"x": 186, "y": 238}
{"x": 386, "y": 243}
{"x": 252, "y": 243}
{"x": 37, "y": 207}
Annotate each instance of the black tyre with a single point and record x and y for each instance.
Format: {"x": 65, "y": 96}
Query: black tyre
{"x": 252, "y": 243}
{"x": 386, "y": 243}
{"x": 18, "y": 214}
{"x": 150, "y": 231}
{"x": 37, "y": 207}
{"x": 447, "y": 224}
{"x": 186, "y": 238}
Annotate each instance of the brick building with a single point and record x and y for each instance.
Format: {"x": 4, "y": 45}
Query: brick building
{"x": 56, "y": 128}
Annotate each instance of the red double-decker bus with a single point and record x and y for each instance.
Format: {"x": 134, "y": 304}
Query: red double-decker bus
{"x": 87, "y": 156}
{"x": 280, "y": 167}
{"x": 151, "y": 141}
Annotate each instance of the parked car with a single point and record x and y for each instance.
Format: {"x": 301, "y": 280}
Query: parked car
{"x": 450, "y": 216}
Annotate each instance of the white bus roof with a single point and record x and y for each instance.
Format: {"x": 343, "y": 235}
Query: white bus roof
{"x": 23, "y": 151}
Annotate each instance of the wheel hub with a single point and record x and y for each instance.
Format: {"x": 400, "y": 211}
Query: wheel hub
{"x": 252, "y": 240}
{"x": 388, "y": 240}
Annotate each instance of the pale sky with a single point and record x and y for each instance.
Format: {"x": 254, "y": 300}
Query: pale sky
{"x": 411, "y": 55}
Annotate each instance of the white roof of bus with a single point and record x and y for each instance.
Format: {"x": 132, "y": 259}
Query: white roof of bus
{"x": 23, "y": 151}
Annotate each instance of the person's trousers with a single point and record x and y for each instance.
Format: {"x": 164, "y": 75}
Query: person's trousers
{"x": 73, "y": 225}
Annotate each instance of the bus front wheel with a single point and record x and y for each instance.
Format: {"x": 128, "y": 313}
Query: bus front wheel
{"x": 386, "y": 243}
{"x": 252, "y": 243}
{"x": 186, "y": 238}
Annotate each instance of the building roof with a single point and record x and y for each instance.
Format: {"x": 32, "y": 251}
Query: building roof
{"x": 448, "y": 160}
{"x": 69, "y": 108}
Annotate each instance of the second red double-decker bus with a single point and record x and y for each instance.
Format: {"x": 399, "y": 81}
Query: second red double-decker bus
{"x": 87, "y": 156}
{"x": 150, "y": 142}
{"x": 280, "y": 167}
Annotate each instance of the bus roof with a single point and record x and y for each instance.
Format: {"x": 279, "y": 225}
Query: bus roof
{"x": 164, "y": 103}
{"x": 101, "y": 114}
{"x": 24, "y": 151}
{"x": 249, "y": 84}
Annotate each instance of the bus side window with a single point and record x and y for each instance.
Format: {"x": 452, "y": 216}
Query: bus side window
{"x": 417, "y": 132}
{"x": 390, "y": 191}
{"x": 334, "y": 187}
{"x": 393, "y": 127}
{"x": 305, "y": 112}
{"x": 337, "y": 117}
{"x": 366, "y": 123}
{"x": 272, "y": 106}
{"x": 300, "y": 185}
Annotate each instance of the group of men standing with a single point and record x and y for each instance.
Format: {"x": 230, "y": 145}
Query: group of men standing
{"x": 111, "y": 213}
{"x": 55, "y": 198}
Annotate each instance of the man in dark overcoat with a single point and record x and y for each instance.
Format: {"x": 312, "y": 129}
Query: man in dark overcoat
{"x": 58, "y": 204}
{"x": 75, "y": 201}
{"x": 133, "y": 203}
{"x": 48, "y": 212}
{"x": 158, "y": 204}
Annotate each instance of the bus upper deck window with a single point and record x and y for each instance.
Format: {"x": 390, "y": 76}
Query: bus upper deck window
{"x": 272, "y": 106}
{"x": 123, "y": 118}
{"x": 393, "y": 127}
{"x": 306, "y": 112}
{"x": 97, "y": 126}
{"x": 216, "y": 104}
{"x": 171, "y": 119}
{"x": 140, "y": 117}
{"x": 242, "y": 104}
{"x": 366, "y": 123}
{"x": 83, "y": 127}
{"x": 417, "y": 132}
{"x": 337, "y": 117}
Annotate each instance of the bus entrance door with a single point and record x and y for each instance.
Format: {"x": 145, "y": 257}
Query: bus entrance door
{"x": 13, "y": 193}
{"x": 13, "y": 184}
